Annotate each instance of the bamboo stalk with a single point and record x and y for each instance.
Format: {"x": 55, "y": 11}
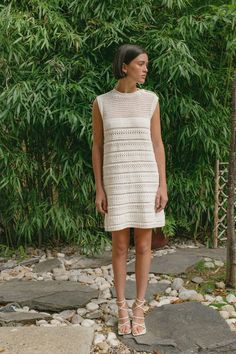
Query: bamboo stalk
{"x": 231, "y": 233}
{"x": 216, "y": 210}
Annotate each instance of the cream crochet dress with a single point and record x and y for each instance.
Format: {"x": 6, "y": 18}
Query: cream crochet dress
{"x": 130, "y": 171}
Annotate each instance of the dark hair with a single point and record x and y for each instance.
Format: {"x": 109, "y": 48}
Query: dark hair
{"x": 125, "y": 54}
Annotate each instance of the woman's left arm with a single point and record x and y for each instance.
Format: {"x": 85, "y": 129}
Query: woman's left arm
{"x": 159, "y": 150}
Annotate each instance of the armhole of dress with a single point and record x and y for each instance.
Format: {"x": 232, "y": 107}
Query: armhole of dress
{"x": 99, "y": 101}
{"x": 154, "y": 104}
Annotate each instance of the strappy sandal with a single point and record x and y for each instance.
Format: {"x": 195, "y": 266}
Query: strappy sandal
{"x": 120, "y": 325}
{"x": 136, "y": 324}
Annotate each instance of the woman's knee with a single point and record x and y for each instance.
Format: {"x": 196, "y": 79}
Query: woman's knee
{"x": 142, "y": 248}
{"x": 120, "y": 250}
{"x": 143, "y": 240}
{"x": 120, "y": 242}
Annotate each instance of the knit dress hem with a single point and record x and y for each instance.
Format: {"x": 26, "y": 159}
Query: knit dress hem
{"x": 138, "y": 225}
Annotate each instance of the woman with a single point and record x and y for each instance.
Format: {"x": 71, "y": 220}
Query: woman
{"x": 129, "y": 168}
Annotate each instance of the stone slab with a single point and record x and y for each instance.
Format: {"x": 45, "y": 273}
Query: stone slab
{"x": 46, "y": 295}
{"x": 184, "y": 328}
{"x": 11, "y": 318}
{"x": 178, "y": 262}
{"x": 30, "y": 261}
{"x": 46, "y": 340}
{"x": 152, "y": 289}
{"x": 95, "y": 261}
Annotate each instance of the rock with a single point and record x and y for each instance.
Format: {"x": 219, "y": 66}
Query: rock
{"x": 60, "y": 255}
{"x": 56, "y": 339}
{"x": 228, "y": 308}
{"x": 164, "y": 281}
{"x": 220, "y": 285}
{"x": 104, "y": 347}
{"x": 111, "y": 335}
{"x": 153, "y": 303}
{"x": 91, "y": 306}
{"x": 153, "y": 281}
{"x": 219, "y": 298}
{"x": 40, "y": 322}
{"x": 163, "y": 302}
{"x": 188, "y": 294}
{"x": 177, "y": 283}
{"x": 62, "y": 277}
{"x": 112, "y": 340}
{"x": 55, "y": 322}
{"x": 12, "y": 307}
{"x": 8, "y": 265}
{"x": 48, "y": 265}
{"x": 53, "y": 296}
{"x": 173, "y": 293}
{"x": 73, "y": 277}
{"x": 110, "y": 320}
{"x": 87, "y": 323}
{"x": 168, "y": 290}
{"x": 94, "y": 314}
{"x": 98, "y": 338}
{"x": 231, "y": 298}
{"x": 104, "y": 286}
{"x": 209, "y": 265}
{"x": 197, "y": 280}
{"x": 67, "y": 314}
{"x": 81, "y": 311}
{"x": 105, "y": 294}
{"x": 224, "y": 314}
{"x": 209, "y": 298}
{"x": 219, "y": 263}
{"x": 77, "y": 319}
{"x": 86, "y": 279}
{"x": 11, "y": 318}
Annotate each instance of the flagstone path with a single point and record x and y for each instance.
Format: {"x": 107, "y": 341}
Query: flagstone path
{"x": 74, "y": 297}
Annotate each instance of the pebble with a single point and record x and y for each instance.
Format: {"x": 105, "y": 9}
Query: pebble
{"x": 228, "y": 308}
{"x": 220, "y": 285}
{"x": 231, "y": 298}
{"x": 197, "y": 280}
{"x": 98, "y": 338}
{"x": 219, "y": 263}
{"x": 77, "y": 319}
{"x": 177, "y": 283}
{"x": 188, "y": 294}
{"x": 87, "y": 323}
{"x": 209, "y": 265}
{"x": 91, "y": 306}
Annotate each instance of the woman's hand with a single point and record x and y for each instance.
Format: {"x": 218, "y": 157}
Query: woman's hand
{"x": 101, "y": 201}
{"x": 161, "y": 199}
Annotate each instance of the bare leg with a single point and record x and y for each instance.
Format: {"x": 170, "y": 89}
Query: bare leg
{"x": 120, "y": 247}
{"x": 143, "y": 241}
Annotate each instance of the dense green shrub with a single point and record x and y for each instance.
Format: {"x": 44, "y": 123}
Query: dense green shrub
{"x": 55, "y": 57}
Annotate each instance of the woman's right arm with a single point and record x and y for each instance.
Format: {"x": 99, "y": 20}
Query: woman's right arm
{"x": 97, "y": 157}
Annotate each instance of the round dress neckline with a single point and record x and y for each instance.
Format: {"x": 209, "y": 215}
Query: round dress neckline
{"x": 127, "y": 93}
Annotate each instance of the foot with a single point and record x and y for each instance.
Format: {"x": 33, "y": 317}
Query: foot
{"x": 124, "y": 326}
{"x": 138, "y": 324}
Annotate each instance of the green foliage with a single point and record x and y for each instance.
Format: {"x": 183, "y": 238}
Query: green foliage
{"x": 55, "y": 57}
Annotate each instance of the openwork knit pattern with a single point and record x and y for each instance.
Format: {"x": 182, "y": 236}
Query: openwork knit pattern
{"x": 130, "y": 171}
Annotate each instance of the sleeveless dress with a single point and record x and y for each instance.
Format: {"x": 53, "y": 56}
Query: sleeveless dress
{"x": 130, "y": 172}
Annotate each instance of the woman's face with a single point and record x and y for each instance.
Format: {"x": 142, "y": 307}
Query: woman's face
{"x": 137, "y": 69}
